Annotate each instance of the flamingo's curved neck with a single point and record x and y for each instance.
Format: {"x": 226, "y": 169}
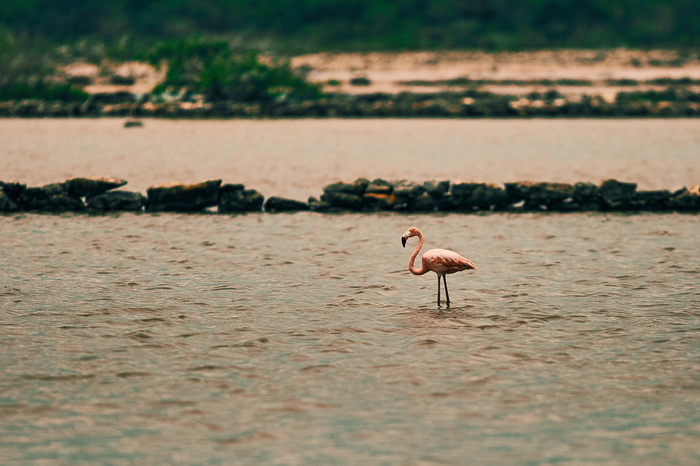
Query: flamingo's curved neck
{"x": 411, "y": 262}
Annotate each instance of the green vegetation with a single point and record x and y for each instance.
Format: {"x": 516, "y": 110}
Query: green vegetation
{"x": 312, "y": 25}
{"x": 26, "y": 70}
{"x": 212, "y": 69}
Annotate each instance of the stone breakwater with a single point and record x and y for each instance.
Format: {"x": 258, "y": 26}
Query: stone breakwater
{"x": 99, "y": 195}
{"x": 673, "y": 103}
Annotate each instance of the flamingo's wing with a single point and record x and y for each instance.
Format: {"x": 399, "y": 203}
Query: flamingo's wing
{"x": 444, "y": 261}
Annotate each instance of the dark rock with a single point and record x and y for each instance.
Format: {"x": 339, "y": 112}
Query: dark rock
{"x": 118, "y": 97}
{"x": 540, "y": 195}
{"x": 279, "y": 204}
{"x": 235, "y": 198}
{"x": 616, "y": 195}
{"x": 379, "y": 186}
{"x": 50, "y": 198}
{"x": 437, "y": 188}
{"x": 476, "y": 196}
{"x": 406, "y": 190}
{"x": 7, "y": 204}
{"x": 461, "y": 190}
{"x": 53, "y": 189}
{"x": 585, "y": 192}
{"x": 113, "y": 201}
{"x": 356, "y": 187}
{"x": 651, "y": 200}
{"x": 423, "y": 203}
{"x": 343, "y": 200}
{"x": 177, "y": 197}
{"x": 12, "y": 189}
{"x": 318, "y": 205}
{"x": 488, "y": 196}
{"x": 88, "y": 187}
{"x": 133, "y": 124}
{"x": 686, "y": 199}
{"x": 378, "y": 201}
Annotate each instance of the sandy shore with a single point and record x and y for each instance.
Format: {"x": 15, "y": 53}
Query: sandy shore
{"x": 391, "y": 72}
{"x": 386, "y": 71}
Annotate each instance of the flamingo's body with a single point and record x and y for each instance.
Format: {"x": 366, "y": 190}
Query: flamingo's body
{"x": 440, "y": 261}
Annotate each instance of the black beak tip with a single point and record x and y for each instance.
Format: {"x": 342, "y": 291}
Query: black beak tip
{"x": 403, "y": 241}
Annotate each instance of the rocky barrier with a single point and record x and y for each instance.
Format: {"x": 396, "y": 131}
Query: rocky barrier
{"x": 100, "y": 195}
{"x": 678, "y": 103}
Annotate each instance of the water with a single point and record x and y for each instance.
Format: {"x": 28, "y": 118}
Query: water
{"x": 303, "y": 339}
{"x": 296, "y": 158}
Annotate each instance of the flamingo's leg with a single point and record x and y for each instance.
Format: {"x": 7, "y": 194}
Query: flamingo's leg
{"x": 438, "y": 302}
{"x": 447, "y": 295}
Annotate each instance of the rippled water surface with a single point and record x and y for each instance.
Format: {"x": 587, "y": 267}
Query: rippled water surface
{"x": 297, "y": 339}
{"x": 303, "y": 339}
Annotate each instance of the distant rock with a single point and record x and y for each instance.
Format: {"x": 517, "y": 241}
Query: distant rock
{"x": 115, "y": 201}
{"x": 541, "y": 195}
{"x": 616, "y": 195}
{"x": 179, "y": 197}
{"x": 379, "y": 186}
{"x": 686, "y": 199}
{"x": 650, "y": 200}
{"x": 235, "y": 198}
{"x": 372, "y": 201}
{"x": 12, "y": 189}
{"x": 88, "y": 187}
{"x": 7, "y": 204}
{"x": 53, "y": 197}
{"x": 466, "y": 196}
{"x": 133, "y": 124}
{"x": 279, "y": 204}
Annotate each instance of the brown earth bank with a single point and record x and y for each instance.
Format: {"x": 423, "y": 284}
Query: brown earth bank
{"x": 99, "y": 195}
{"x": 576, "y": 83}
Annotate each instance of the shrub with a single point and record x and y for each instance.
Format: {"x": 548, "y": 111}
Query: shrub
{"x": 212, "y": 69}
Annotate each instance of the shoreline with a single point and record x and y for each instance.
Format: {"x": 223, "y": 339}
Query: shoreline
{"x": 450, "y": 84}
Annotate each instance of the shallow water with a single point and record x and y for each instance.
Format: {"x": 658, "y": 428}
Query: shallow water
{"x": 303, "y": 339}
{"x": 296, "y": 158}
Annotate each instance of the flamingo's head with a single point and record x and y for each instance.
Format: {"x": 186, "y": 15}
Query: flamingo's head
{"x": 413, "y": 231}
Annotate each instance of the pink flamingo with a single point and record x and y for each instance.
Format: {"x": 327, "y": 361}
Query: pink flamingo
{"x": 440, "y": 261}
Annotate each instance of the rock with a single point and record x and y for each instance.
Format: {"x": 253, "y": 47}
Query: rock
{"x": 586, "y": 197}
{"x": 423, "y": 203}
{"x": 343, "y": 200}
{"x": 133, "y": 124}
{"x": 358, "y": 187}
{"x": 437, "y": 188}
{"x": 379, "y": 186}
{"x": 112, "y": 201}
{"x": 88, "y": 187}
{"x": 6, "y": 203}
{"x": 616, "y": 195}
{"x": 406, "y": 190}
{"x": 487, "y": 196}
{"x": 540, "y": 195}
{"x": 476, "y": 196}
{"x": 686, "y": 199}
{"x": 317, "y": 205}
{"x": 12, "y": 189}
{"x": 279, "y": 204}
{"x": 462, "y": 190}
{"x": 373, "y": 202}
{"x": 651, "y": 200}
{"x": 345, "y": 195}
{"x": 235, "y": 198}
{"x": 52, "y": 197}
{"x": 178, "y": 197}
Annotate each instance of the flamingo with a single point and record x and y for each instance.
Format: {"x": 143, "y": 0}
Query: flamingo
{"x": 440, "y": 261}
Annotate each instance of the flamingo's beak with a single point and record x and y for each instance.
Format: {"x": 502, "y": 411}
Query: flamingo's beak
{"x": 403, "y": 241}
